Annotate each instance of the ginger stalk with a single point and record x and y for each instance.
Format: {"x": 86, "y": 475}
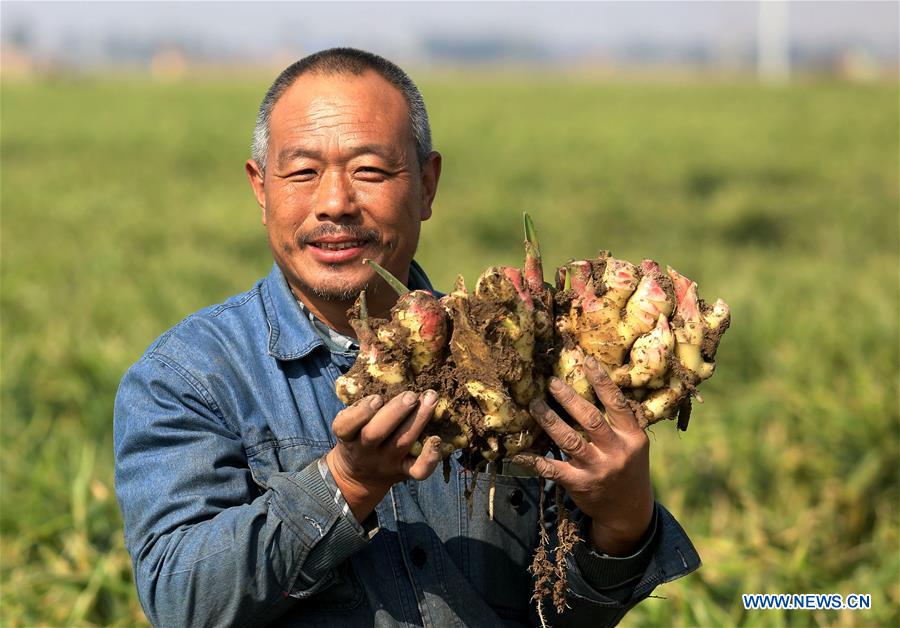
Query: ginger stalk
{"x": 371, "y": 370}
{"x": 601, "y": 289}
{"x": 504, "y": 289}
{"x": 689, "y": 329}
{"x": 492, "y": 348}
{"x": 405, "y": 352}
{"x": 421, "y": 315}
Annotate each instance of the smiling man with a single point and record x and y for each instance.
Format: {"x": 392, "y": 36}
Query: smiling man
{"x": 339, "y": 177}
{"x": 241, "y": 504}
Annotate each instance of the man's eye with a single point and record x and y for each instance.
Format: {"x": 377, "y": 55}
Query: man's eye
{"x": 371, "y": 173}
{"x": 307, "y": 174}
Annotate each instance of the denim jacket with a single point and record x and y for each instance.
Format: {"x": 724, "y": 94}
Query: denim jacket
{"x": 228, "y": 520}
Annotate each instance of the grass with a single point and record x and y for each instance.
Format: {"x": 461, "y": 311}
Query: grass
{"x": 125, "y": 208}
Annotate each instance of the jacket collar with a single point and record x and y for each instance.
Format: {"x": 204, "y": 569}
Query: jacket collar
{"x": 291, "y": 334}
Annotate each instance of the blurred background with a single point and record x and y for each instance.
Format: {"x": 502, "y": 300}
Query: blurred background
{"x": 753, "y": 146}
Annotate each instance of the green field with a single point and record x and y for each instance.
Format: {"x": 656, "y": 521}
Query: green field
{"x": 125, "y": 208}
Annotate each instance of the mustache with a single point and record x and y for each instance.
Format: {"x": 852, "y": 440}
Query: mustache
{"x": 348, "y": 231}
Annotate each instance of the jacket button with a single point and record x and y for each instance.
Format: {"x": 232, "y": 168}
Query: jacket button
{"x": 418, "y": 556}
{"x": 515, "y": 498}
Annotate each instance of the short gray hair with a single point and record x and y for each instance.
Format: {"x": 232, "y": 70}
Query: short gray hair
{"x": 343, "y": 61}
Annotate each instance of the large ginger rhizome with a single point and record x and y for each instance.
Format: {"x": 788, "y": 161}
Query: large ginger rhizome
{"x": 649, "y": 329}
{"x": 489, "y": 352}
{"x": 477, "y": 350}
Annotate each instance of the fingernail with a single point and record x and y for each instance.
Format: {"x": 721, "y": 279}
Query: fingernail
{"x": 538, "y": 406}
{"x": 590, "y": 362}
{"x": 375, "y": 402}
{"x": 523, "y": 460}
{"x": 556, "y": 384}
{"x": 409, "y": 397}
{"x": 430, "y": 397}
{"x": 436, "y": 443}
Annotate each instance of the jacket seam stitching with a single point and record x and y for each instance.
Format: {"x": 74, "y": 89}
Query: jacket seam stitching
{"x": 292, "y": 441}
{"x": 271, "y": 316}
{"x": 194, "y": 383}
{"x": 248, "y": 296}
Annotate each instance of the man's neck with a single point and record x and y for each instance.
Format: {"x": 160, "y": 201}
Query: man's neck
{"x": 334, "y": 313}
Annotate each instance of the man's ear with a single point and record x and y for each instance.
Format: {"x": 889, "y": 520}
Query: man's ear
{"x": 257, "y": 182}
{"x": 431, "y": 174}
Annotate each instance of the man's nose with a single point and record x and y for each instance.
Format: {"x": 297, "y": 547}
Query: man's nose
{"x": 335, "y": 197}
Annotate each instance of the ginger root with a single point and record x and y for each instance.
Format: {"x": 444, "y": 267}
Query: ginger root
{"x": 489, "y": 352}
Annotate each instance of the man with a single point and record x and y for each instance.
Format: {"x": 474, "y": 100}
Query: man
{"x": 241, "y": 505}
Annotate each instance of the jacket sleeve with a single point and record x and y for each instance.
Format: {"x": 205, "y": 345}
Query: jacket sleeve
{"x": 603, "y": 588}
{"x": 208, "y": 545}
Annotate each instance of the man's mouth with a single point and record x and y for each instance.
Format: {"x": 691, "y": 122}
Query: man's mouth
{"x": 332, "y": 245}
{"x": 339, "y": 246}
{"x": 339, "y": 250}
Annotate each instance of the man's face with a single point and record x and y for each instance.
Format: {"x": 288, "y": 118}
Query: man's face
{"x": 342, "y": 184}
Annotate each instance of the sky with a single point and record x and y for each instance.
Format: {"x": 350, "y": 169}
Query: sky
{"x": 399, "y": 29}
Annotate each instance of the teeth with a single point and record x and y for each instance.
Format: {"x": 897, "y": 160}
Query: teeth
{"x": 337, "y": 246}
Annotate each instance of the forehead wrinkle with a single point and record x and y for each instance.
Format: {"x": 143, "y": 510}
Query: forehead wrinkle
{"x": 338, "y": 119}
{"x": 311, "y": 128}
{"x": 314, "y": 114}
{"x": 351, "y": 140}
{"x": 322, "y": 110}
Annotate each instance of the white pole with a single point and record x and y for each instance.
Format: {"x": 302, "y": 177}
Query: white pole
{"x": 773, "y": 62}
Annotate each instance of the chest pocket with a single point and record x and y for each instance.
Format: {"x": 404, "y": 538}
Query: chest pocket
{"x": 283, "y": 455}
{"x": 345, "y": 593}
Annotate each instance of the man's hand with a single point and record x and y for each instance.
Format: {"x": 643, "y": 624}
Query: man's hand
{"x": 372, "y": 452}
{"x": 607, "y": 475}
